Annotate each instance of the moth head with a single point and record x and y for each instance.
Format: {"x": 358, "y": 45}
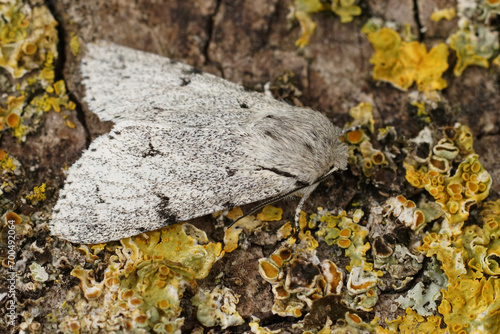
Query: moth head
{"x": 299, "y": 142}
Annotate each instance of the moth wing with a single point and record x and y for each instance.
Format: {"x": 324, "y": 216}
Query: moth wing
{"x": 125, "y": 84}
{"x": 142, "y": 176}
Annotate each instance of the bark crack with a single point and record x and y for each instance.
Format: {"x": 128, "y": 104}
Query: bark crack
{"x": 416, "y": 16}
{"x": 210, "y": 32}
{"x": 59, "y": 68}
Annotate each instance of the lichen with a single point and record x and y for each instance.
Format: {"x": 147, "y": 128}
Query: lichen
{"x": 28, "y": 49}
{"x": 445, "y": 13}
{"x": 27, "y": 35}
{"x": 74, "y": 45}
{"x": 346, "y": 234}
{"x": 11, "y": 171}
{"x": 143, "y": 283}
{"x": 257, "y": 329}
{"x": 38, "y": 194}
{"x": 425, "y": 299}
{"x": 404, "y": 63}
{"x": 474, "y": 45}
{"x": 217, "y": 308}
{"x": 375, "y": 164}
{"x": 346, "y": 9}
{"x": 468, "y": 186}
{"x": 301, "y": 10}
{"x": 298, "y": 278}
{"x": 38, "y": 272}
{"x": 247, "y": 224}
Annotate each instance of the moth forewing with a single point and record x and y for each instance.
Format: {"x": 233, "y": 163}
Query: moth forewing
{"x": 184, "y": 144}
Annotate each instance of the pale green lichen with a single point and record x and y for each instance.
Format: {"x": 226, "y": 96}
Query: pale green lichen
{"x": 217, "y": 308}
{"x": 474, "y": 44}
{"x": 38, "y": 273}
{"x": 424, "y": 299}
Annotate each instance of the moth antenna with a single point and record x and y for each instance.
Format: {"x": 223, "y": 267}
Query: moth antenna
{"x": 351, "y": 128}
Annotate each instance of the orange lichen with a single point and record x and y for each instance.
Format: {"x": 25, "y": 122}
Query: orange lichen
{"x": 402, "y": 64}
{"x": 297, "y": 279}
{"x": 12, "y": 217}
{"x": 355, "y": 137}
{"x": 13, "y": 120}
{"x": 407, "y": 212}
{"x": 470, "y": 184}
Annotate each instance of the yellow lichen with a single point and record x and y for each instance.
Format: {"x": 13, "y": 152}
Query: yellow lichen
{"x": 362, "y": 115}
{"x": 445, "y": 13}
{"x": 402, "y": 64}
{"x": 342, "y": 231}
{"x": 411, "y": 323}
{"x": 361, "y": 151}
{"x": 472, "y": 305}
{"x": 301, "y": 10}
{"x": 496, "y": 61}
{"x": 38, "y": 194}
{"x": 346, "y": 9}
{"x": 247, "y": 224}
{"x": 7, "y": 162}
{"x": 27, "y": 34}
{"x": 257, "y": 329}
{"x": 270, "y": 213}
{"x": 74, "y": 45}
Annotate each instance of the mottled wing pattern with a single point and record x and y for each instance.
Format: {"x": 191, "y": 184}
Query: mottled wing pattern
{"x": 143, "y": 176}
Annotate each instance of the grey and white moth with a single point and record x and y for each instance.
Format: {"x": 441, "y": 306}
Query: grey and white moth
{"x": 184, "y": 144}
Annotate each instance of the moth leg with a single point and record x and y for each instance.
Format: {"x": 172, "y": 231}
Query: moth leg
{"x": 305, "y": 195}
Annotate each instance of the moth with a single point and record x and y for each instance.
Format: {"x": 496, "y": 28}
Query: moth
{"x": 184, "y": 144}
